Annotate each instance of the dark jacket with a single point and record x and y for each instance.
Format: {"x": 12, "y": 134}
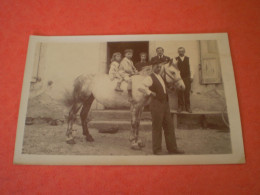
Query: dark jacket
{"x": 184, "y": 67}
{"x": 158, "y": 89}
{"x": 157, "y": 60}
{"x": 140, "y": 65}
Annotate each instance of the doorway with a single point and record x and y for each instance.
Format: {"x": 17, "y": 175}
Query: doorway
{"x": 137, "y": 46}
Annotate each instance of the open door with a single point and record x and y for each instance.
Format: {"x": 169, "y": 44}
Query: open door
{"x": 137, "y": 46}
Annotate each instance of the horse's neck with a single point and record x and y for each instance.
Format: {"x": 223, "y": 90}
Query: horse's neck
{"x": 147, "y": 70}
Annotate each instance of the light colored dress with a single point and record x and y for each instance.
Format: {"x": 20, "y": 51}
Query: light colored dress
{"x": 114, "y": 71}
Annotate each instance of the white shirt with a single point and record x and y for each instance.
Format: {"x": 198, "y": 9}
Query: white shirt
{"x": 182, "y": 57}
{"x": 191, "y": 68}
{"x": 161, "y": 56}
{"x": 148, "y": 82}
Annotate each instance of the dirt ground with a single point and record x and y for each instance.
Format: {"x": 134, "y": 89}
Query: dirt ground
{"x": 47, "y": 139}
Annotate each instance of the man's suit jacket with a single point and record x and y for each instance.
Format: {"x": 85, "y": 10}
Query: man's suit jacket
{"x": 158, "y": 89}
{"x": 184, "y": 67}
{"x": 140, "y": 65}
{"x": 158, "y": 60}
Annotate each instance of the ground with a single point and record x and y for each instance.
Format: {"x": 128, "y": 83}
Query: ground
{"x": 47, "y": 139}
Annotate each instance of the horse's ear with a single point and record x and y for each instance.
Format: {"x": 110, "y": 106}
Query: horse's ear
{"x": 174, "y": 63}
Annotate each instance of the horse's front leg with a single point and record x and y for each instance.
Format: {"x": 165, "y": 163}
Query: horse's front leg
{"x": 134, "y": 127}
{"x": 71, "y": 119}
{"x": 140, "y": 143}
{"x": 69, "y": 133}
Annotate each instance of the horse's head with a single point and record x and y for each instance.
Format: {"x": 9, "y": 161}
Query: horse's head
{"x": 171, "y": 74}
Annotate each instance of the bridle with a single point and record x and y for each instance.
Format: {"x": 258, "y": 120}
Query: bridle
{"x": 165, "y": 73}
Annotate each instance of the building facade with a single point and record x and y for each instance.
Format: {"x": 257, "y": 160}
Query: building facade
{"x": 56, "y": 65}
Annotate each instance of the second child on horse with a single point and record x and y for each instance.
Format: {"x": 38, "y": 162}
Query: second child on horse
{"x": 127, "y": 70}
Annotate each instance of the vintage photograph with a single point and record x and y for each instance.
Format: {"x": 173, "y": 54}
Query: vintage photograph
{"x": 129, "y": 100}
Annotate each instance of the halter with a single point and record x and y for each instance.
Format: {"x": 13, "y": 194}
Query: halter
{"x": 171, "y": 77}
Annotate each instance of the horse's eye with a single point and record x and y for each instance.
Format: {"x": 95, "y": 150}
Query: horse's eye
{"x": 173, "y": 73}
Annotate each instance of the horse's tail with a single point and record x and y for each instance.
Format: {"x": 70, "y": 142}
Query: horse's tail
{"x": 77, "y": 95}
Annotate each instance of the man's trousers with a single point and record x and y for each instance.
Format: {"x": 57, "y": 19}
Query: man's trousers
{"x": 161, "y": 119}
{"x": 184, "y": 96}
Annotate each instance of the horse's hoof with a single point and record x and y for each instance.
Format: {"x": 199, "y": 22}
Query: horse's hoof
{"x": 135, "y": 146}
{"x": 71, "y": 141}
{"x": 89, "y": 138}
{"x": 131, "y": 138}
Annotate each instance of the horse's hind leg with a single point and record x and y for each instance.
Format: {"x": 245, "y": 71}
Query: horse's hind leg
{"x": 83, "y": 115}
{"x": 71, "y": 119}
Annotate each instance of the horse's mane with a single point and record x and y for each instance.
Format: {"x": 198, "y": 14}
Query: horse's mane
{"x": 147, "y": 70}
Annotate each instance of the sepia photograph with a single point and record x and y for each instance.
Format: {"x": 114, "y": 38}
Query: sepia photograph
{"x": 129, "y": 100}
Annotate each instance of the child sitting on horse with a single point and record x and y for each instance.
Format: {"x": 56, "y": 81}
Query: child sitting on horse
{"x": 114, "y": 70}
{"x": 127, "y": 70}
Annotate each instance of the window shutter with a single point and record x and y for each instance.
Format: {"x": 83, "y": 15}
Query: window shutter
{"x": 210, "y": 71}
{"x": 210, "y": 64}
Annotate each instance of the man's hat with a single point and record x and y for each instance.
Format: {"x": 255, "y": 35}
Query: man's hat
{"x": 129, "y": 50}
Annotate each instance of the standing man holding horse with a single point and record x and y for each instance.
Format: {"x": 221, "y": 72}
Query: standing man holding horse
{"x": 160, "y": 109}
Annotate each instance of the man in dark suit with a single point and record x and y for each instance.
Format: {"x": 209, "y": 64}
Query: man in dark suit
{"x": 187, "y": 77}
{"x": 160, "y": 57}
{"x": 160, "y": 111}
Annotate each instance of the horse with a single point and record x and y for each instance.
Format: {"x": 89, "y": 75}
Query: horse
{"x": 99, "y": 87}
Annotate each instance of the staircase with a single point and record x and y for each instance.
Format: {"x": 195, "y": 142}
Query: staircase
{"x": 117, "y": 119}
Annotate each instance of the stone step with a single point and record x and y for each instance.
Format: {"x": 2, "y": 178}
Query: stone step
{"x": 118, "y": 124}
{"x": 106, "y": 115}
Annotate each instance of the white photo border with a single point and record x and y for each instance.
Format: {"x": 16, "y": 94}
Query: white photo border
{"x": 236, "y": 157}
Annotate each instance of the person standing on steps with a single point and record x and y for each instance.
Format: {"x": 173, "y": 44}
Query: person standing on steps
{"x": 160, "y": 57}
{"x": 183, "y": 63}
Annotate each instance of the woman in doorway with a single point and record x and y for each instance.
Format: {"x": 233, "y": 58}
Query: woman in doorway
{"x": 143, "y": 61}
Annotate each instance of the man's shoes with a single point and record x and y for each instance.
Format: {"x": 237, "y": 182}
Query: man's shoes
{"x": 179, "y": 109}
{"x": 188, "y": 110}
{"x": 176, "y": 151}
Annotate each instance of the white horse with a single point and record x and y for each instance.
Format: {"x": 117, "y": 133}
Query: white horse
{"x": 100, "y": 87}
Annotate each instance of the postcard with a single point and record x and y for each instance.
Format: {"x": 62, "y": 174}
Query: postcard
{"x": 129, "y": 100}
